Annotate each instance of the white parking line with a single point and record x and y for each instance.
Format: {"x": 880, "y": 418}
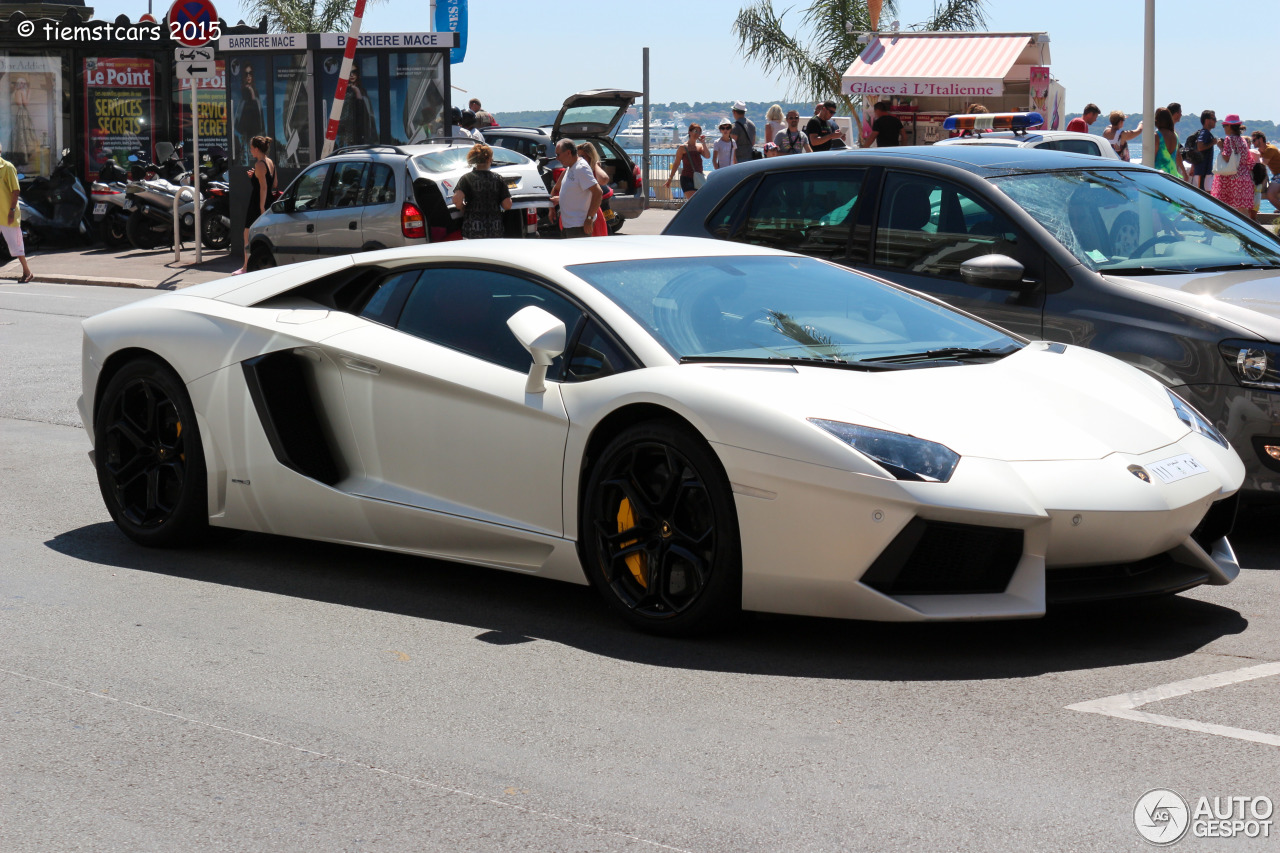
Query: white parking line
{"x": 24, "y": 293}
{"x": 1125, "y": 705}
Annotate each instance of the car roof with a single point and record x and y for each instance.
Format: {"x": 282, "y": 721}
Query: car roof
{"x": 983, "y": 160}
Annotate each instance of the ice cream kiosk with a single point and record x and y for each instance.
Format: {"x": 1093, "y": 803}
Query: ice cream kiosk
{"x": 930, "y": 76}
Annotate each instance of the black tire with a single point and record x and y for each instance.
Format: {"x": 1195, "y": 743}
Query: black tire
{"x": 660, "y": 532}
{"x": 615, "y": 224}
{"x": 112, "y": 230}
{"x": 215, "y": 234}
{"x": 149, "y": 457}
{"x": 1124, "y": 234}
{"x": 138, "y": 230}
{"x": 260, "y": 258}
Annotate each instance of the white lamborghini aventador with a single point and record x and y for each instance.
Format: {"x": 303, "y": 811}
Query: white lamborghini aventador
{"x": 693, "y": 427}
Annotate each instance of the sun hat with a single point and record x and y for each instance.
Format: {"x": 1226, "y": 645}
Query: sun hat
{"x": 724, "y": 122}
{"x": 739, "y": 106}
{"x": 1232, "y": 118}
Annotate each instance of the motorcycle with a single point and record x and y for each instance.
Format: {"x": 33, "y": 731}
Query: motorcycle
{"x": 215, "y": 213}
{"x": 111, "y": 206}
{"x": 150, "y": 224}
{"x": 54, "y": 208}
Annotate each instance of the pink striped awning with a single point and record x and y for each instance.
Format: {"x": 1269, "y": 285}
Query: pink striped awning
{"x": 934, "y": 66}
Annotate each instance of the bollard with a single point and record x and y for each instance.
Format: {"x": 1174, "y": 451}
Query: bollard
{"x": 177, "y": 230}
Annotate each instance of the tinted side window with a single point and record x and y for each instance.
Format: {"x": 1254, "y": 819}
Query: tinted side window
{"x": 1075, "y": 146}
{"x": 344, "y": 189}
{"x": 467, "y": 310}
{"x": 930, "y": 227}
{"x": 387, "y": 301}
{"x": 305, "y": 191}
{"x": 721, "y": 223}
{"x": 595, "y": 355}
{"x": 380, "y": 184}
{"x": 810, "y": 212}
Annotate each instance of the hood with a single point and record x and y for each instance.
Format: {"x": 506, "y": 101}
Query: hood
{"x": 1040, "y": 403}
{"x": 1249, "y": 299}
{"x": 595, "y": 112}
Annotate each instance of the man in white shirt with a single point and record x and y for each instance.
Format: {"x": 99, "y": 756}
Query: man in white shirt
{"x": 580, "y": 193}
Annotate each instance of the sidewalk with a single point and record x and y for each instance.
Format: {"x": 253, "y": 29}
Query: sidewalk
{"x": 156, "y": 270}
{"x": 125, "y": 267}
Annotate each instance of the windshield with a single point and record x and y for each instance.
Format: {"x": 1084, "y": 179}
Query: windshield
{"x": 1139, "y": 222}
{"x": 455, "y": 159}
{"x": 761, "y": 307}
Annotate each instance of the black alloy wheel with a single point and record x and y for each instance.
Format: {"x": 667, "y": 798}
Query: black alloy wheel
{"x": 216, "y": 234}
{"x": 149, "y": 456}
{"x": 660, "y": 531}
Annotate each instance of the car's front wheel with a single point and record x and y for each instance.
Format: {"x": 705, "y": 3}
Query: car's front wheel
{"x": 660, "y": 531}
{"x": 260, "y": 258}
{"x": 149, "y": 456}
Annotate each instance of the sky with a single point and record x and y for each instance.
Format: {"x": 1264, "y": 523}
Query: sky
{"x": 526, "y": 55}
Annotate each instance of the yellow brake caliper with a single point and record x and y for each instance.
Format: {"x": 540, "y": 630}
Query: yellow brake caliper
{"x": 181, "y": 456}
{"x": 635, "y": 562}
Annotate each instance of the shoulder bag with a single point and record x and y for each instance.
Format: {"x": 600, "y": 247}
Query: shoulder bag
{"x": 1223, "y": 167}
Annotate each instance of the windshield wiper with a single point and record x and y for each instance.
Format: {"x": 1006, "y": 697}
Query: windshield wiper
{"x": 1142, "y": 269}
{"x": 802, "y": 360}
{"x": 1240, "y": 266}
{"x": 957, "y": 353}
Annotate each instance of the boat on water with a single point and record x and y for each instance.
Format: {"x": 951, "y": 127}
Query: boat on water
{"x": 662, "y": 133}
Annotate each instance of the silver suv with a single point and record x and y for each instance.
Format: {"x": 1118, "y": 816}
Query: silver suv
{"x": 380, "y": 196}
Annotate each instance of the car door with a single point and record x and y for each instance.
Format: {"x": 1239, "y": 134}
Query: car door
{"x": 337, "y": 219}
{"x": 380, "y": 216}
{"x": 438, "y": 403}
{"x": 926, "y": 227}
{"x": 293, "y": 237}
{"x": 809, "y": 211}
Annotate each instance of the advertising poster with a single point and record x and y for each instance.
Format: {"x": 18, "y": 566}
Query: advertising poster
{"x": 359, "y": 122}
{"x": 291, "y": 82}
{"x": 451, "y": 17}
{"x": 211, "y": 108}
{"x": 119, "y": 97}
{"x": 417, "y": 96}
{"x": 30, "y": 125}
{"x": 247, "y": 80}
{"x": 1040, "y": 90}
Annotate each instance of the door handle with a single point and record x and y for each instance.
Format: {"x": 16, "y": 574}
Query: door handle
{"x": 311, "y": 228}
{"x": 362, "y": 366}
{"x": 351, "y": 226}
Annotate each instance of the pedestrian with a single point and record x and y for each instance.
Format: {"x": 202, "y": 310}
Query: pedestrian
{"x": 724, "y": 151}
{"x": 481, "y": 196}
{"x": 1118, "y": 136}
{"x": 12, "y": 228}
{"x": 469, "y": 126}
{"x": 773, "y": 122}
{"x": 587, "y": 151}
{"x": 1175, "y": 112}
{"x": 886, "y": 129}
{"x": 485, "y": 119}
{"x": 1167, "y": 159}
{"x": 1269, "y": 155}
{"x": 978, "y": 109}
{"x": 1081, "y": 123}
{"x": 262, "y": 187}
{"x": 824, "y": 134}
{"x": 577, "y": 194}
{"x": 689, "y": 161}
{"x": 1235, "y": 189}
{"x": 792, "y": 140}
{"x": 743, "y": 133}
{"x": 1204, "y": 143}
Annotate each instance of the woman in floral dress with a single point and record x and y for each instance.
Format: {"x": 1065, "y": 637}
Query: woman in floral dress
{"x": 1235, "y": 189}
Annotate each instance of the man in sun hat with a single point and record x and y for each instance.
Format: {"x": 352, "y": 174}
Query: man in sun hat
{"x": 743, "y": 133}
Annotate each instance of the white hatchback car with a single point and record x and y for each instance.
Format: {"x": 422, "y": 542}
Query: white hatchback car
{"x": 381, "y": 196}
{"x": 1051, "y": 140}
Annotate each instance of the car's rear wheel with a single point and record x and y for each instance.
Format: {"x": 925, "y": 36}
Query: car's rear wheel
{"x": 216, "y": 234}
{"x": 660, "y": 531}
{"x": 260, "y": 258}
{"x": 149, "y": 456}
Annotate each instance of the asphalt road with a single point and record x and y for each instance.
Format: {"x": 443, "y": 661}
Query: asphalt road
{"x": 270, "y": 694}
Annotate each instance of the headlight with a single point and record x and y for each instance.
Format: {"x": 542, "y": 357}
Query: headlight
{"x": 903, "y": 456}
{"x": 1196, "y": 421}
{"x": 1254, "y": 364}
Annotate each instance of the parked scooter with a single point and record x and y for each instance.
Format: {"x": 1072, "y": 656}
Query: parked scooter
{"x": 54, "y": 208}
{"x": 150, "y": 224}
{"x": 215, "y": 213}
{"x": 111, "y": 206}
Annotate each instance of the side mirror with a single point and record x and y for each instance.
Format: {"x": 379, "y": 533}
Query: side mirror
{"x": 543, "y": 336}
{"x": 284, "y": 205}
{"x": 998, "y": 271}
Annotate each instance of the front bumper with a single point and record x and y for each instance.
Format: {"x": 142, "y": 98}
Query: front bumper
{"x": 822, "y": 542}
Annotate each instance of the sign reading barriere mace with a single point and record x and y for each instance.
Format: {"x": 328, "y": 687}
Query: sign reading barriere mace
{"x": 336, "y": 41}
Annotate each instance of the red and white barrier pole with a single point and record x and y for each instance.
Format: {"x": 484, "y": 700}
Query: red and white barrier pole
{"x": 344, "y": 74}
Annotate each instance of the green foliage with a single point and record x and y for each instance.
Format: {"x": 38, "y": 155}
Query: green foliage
{"x": 813, "y": 63}
{"x": 303, "y": 16}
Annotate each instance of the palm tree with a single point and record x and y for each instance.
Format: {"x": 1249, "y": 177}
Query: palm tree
{"x": 813, "y": 68}
{"x": 303, "y": 16}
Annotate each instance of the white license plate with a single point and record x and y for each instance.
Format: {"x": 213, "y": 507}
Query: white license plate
{"x": 1176, "y": 468}
{"x": 128, "y": 205}
{"x": 99, "y": 209}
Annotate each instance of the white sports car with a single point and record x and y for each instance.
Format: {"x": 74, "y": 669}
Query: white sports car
{"x": 694, "y": 427}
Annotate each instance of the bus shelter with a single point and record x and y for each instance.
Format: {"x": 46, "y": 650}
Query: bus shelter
{"x": 929, "y": 76}
{"x": 282, "y": 85}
